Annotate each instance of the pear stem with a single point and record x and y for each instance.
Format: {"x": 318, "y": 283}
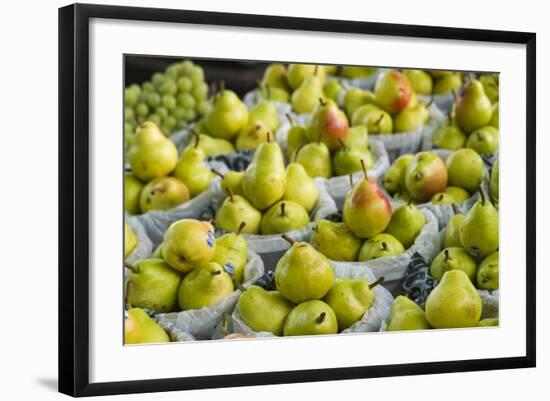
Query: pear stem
{"x": 430, "y": 102}
{"x": 295, "y": 155}
{"x": 455, "y": 208}
{"x": 133, "y": 268}
{"x": 410, "y": 201}
{"x": 268, "y": 136}
{"x": 283, "y": 209}
{"x": 377, "y": 123}
{"x": 241, "y": 226}
{"x": 213, "y": 87}
{"x": 384, "y": 246}
{"x": 455, "y": 95}
{"x": 316, "y": 70}
{"x": 290, "y": 120}
{"x": 216, "y": 172}
{"x": 222, "y": 87}
{"x": 342, "y": 143}
{"x": 450, "y": 116}
{"x": 364, "y": 169}
{"x": 351, "y": 180}
{"x": 197, "y": 140}
{"x": 212, "y": 222}
{"x": 322, "y": 102}
{"x": 418, "y": 176}
{"x": 216, "y": 272}
{"x": 483, "y": 197}
{"x": 230, "y": 193}
{"x": 128, "y": 301}
{"x": 446, "y": 253}
{"x": 379, "y": 281}
{"x": 238, "y": 285}
{"x": 321, "y": 317}
{"x": 288, "y": 239}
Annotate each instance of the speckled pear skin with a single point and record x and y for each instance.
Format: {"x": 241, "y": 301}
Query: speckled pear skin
{"x": 204, "y": 286}
{"x": 405, "y": 314}
{"x": 227, "y": 116}
{"x": 394, "y": 179}
{"x": 311, "y": 318}
{"x": 139, "y": 328}
{"x": 336, "y": 241}
{"x": 473, "y": 108}
{"x": 264, "y": 310}
{"x": 479, "y": 232}
{"x": 455, "y": 258}
{"x": 350, "y": 299}
{"x": 426, "y": 175}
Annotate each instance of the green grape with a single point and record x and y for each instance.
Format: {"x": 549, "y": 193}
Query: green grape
{"x": 186, "y": 100}
{"x": 130, "y": 97}
{"x": 185, "y": 84}
{"x": 128, "y": 129}
{"x": 142, "y": 110}
{"x": 169, "y": 87}
{"x": 190, "y": 115}
{"x": 162, "y": 112}
{"x": 197, "y": 75}
{"x": 170, "y": 122}
{"x": 186, "y": 67}
{"x": 154, "y": 118}
{"x": 129, "y": 114}
{"x": 153, "y": 100}
{"x": 158, "y": 79}
{"x": 203, "y": 106}
{"x": 148, "y": 87}
{"x": 169, "y": 101}
{"x": 173, "y": 71}
{"x": 200, "y": 92}
{"x": 179, "y": 113}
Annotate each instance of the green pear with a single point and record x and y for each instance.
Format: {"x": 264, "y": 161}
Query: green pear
{"x": 331, "y": 69}
{"x": 479, "y": 231}
{"x": 163, "y": 193}
{"x": 405, "y": 197}
{"x": 380, "y": 246}
{"x": 393, "y": 91}
{"x": 490, "y": 86}
{"x": 425, "y": 176}
{"x": 406, "y": 223}
{"x": 449, "y": 136}
{"x": 410, "y": 119}
{"x": 296, "y": 138}
{"x": 266, "y": 112}
{"x": 132, "y": 191}
{"x": 336, "y": 241}
{"x": 315, "y": 157}
{"x": 458, "y": 194}
{"x": 394, "y": 179}
{"x": 188, "y": 244}
{"x": 204, "y": 286}
{"x": 451, "y": 237}
{"x": 495, "y": 117}
{"x": 305, "y": 99}
{"x": 487, "y": 273}
{"x": 277, "y": 94}
{"x": 139, "y": 328}
{"x": 130, "y": 240}
{"x": 357, "y": 97}
{"x": 303, "y": 273}
{"x": 215, "y": 146}
{"x": 227, "y": 116}
{"x": 405, "y": 314}
{"x": 328, "y": 124}
{"x": 493, "y": 185}
{"x": 192, "y": 170}
{"x": 300, "y": 187}
{"x": 231, "y": 181}
{"x": 449, "y": 83}
{"x": 439, "y": 73}
{"x": 332, "y": 89}
{"x": 491, "y": 321}
{"x": 275, "y": 76}
{"x": 453, "y": 259}
{"x": 311, "y": 318}
{"x": 264, "y": 310}
{"x": 153, "y": 285}
{"x": 350, "y": 299}
{"x": 347, "y": 159}
{"x": 366, "y": 211}
{"x": 442, "y": 198}
{"x": 374, "y": 118}
{"x": 284, "y": 216}
{"x": 454, "y": 302}
{"x": 264, "y": 181}
{"x": 297, "y": 74}
{"x": 465, "y": 169}
{"x": 473, "y": 109}
{"x": 484, "y": 141}
{"x": 157, "y": 253}
{"x": 252, "y": 136}
{"x": 234, "y": 210}
{"x": 151, "y": 155}
{"x": 356, "y": 71}
{"x": 231, "y": 248}
{"x": 358, "y": 136}
{"x": 421, "y": 81}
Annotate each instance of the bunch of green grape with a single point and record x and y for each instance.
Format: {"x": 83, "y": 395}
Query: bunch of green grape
{"x": 171, "y": 99}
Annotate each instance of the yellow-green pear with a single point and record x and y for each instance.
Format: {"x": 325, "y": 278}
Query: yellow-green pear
{"x": 454, "y": 302}
{"x": 192, "y": 169}
{"x": 296, "y": 138}
{"x": 328, "y": 124}
{"x": 490, "y": 86}
{"x": 231, "y": 181}
{"x": 377, "y": 120}
{"x": 347, "y": 160}
{"x": 282, "y": 217}
{"x": 163, "y": 193}
{"x": 215, "y": 146}
{"x": 300, "y": 187}
{"x": 311, "y": 318}
{"x": 315, "y": 158}
{"x": 484, "y": 141}
{"x": 231, "y": 249}
{"x": 487, "y": 274}
{"x": 495, "y": 117}
{"x": 236, "y": 209}
{"x": 266, "y": 112}
{"x": 358, "y": 136}
{"x": 405, "y": 314}
{"x": 448, "y": 83}
{"x": 394, "y": 179}
{"x": 264, "y": 310}
{"x": 303, "y": 273}
{"x": 298, "y": 73}
{"x": 426, "y": 175}
{"x": 336, "y": 241}
{"x": 465, "y": 169}
{"x": 151, "y": 154}
{"x": 139, "y": 328}
{"x": 275, "y": 76}
{"x": 493, "y": 185}
{"x": 305, "y": 98}
{"x": 449, "y": 136}
{"x": 410, "y": 119}
{"x": 252, "y": 136}
{"x": 490, "y": 321}
{"x": 473, "y": 108}
{"x": 130, "y": 240}
{"x": 479, "y": 231}
{"x": 204, "y": 286}
{"x": 188, "y": 244}
{"x": 132, "y": 191}
{"x": 455, "y": 258}
{"x": 380, "y": 246}
{"x": 357, "y": 97}
{"x": 421, "y": 81}
{"x": 451, "y": 236}
{"x": 459, "y": 195}
{"x": 227, "y": 116}
{"x": 407, "y": 221}
{"x": 393, "y": 91}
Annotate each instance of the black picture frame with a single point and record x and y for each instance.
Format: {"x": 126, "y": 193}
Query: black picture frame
{"x": 74, "y": 198}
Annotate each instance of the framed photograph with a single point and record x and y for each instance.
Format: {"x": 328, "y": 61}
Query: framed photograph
{"x": 251, "y": 199}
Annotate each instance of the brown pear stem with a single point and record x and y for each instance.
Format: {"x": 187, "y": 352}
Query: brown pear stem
{"x": 229, "y": 193}
{"x": 268, "y": 136}
{"x": 455, "y": 95}
{"x": 384, "y": 246}
{"x": 364, "y": 169}
{"x": 128, "y": 300}
{"x": 322, "y": 102}
{"x": 446, "y": 253}
{"x": 241, "y": 226}
{"x": 216, "y": 172}
{"x": 351, "y": 180}
{"x": 455, "y": 208}
{"x": 377, "y": 123}
{"x": 430, "y": 102}
{"x": 283, "y": 209}
{"x": 133, "y": 268}
{"x": 410, "y": 201}
{"x": 483, "y": 197}
{"x": 450, "y": 116}
{"x": 238, "y": 285}
{"x": 295, "y": 155}
{"x": 342, "y": 143}
{"x": 418, "y": 176}
{"x": 288, "y": 239}
{"x": 222, "y": 87}
{"x": 290, "y": 120}
{"x": 212, "y": 222}
{"x": 379, "y": 281}
{"x": 216, "y": 272}
{"x": 321, "y": 317}
{"x": 197, "y": 140}
{"x": 316, "y": 70}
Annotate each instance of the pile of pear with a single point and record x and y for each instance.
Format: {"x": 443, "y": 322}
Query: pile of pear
{"x": 392, "y": 107}
{"x": 434, "y": 82}
{"x": 160, "y": 179}
{"x": 308, "y": 300}
{"x": 370, "y": 229}
{"x": 268, "y": 197}
{"x": 190, "y": 269}
{"x": 473, "y": 122}
{"x": 425, "y": 177}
